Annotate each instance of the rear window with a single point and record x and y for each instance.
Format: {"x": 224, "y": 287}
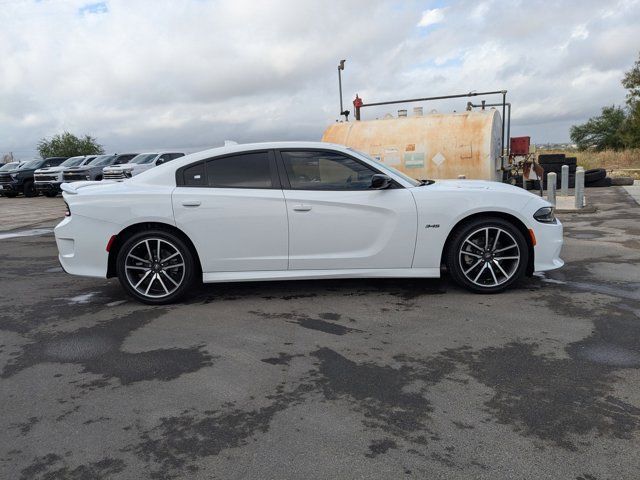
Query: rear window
{"x": 194, "y": 175}
{"x": 247, "y": 170}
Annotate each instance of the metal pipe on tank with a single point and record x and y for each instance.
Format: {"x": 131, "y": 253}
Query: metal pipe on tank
{"x": 471, "y": 105}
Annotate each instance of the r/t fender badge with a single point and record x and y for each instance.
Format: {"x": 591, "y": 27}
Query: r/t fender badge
{"x": 432, "y": 225}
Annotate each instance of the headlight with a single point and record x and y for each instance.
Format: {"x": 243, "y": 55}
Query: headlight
{"x": 545, "y": 215}
{"x": 14, "y": 176}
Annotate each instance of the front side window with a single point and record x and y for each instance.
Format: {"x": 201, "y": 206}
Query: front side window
{"x": 324, "y": 170}
{"x": 246, "y": 170}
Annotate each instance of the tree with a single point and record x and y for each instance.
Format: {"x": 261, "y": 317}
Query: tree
{"x": 615, "y": 127}
{"x": 604, "y": 131}
{"x": 631, "y": 81}
{"x": 68, "y": 145}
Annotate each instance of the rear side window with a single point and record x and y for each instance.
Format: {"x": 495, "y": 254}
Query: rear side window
{"x": 247, "y": 170}
{"x": 194, "y": 175}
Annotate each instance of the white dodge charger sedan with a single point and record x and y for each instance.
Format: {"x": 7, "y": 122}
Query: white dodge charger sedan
{"x": 300, "y": 210}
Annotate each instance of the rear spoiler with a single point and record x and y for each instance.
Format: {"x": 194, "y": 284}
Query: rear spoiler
{"x": 72, "y": 188}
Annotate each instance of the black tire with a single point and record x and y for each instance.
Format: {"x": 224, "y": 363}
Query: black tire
{"x": 594, "y": 175}
{"x": 603, "y": 182}
{"x": 558, "y": 168}
{"x": 50, "y": 194}
{"x": 509, "y": 234}
{"x": 551, "y": 158}
{"x": 29, "y": 189}
{"x": 136, "y": 243}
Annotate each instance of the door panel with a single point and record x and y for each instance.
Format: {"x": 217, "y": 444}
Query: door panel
{"x": 351, "y": 229}
{"x": 234, "y": 229}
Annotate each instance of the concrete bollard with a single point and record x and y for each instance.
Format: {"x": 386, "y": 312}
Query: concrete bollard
{"x": 551, "y": 187}
{"x": 579, "y": 188}
{"x": 564, "y": 181}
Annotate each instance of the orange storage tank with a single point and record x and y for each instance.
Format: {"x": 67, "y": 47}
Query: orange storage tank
{"x": 436, "y": 146}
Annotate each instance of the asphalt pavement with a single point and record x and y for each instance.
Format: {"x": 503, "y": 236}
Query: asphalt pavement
{"x": 375, "y": 379}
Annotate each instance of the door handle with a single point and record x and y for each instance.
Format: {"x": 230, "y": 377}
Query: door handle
{"x": 191, "y": 203}
{"x": 302, "y": 208}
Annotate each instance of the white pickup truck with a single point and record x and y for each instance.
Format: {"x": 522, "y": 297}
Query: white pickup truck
{"x": 47, "y": 180}
{"x": 138, "y": 164}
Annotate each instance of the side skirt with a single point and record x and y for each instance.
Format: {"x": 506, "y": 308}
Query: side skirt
{"x": 212, "y": 277}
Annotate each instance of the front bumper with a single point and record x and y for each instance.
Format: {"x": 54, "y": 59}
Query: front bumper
{"x": 11, "y": 187}
{"x": 549, "y": 242}
{"x": 82, "y": 243}
{"x": 48, "y": 186}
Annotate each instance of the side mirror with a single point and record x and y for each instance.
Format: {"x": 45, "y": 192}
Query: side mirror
{"x": 380, "y": 181}
{"x": 160, "y": 161}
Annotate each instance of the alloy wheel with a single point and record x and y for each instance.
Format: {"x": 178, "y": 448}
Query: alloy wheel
{"x": 489, "y": 257}
{"x": 154, "y": 267}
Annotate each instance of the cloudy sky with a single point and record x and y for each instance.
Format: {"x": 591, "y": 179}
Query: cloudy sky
{"x": 143, "y": 75}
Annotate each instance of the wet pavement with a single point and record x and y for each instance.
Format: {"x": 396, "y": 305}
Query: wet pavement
{"x": 328, "y": 379}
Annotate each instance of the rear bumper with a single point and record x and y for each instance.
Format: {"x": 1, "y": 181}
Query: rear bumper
{"x": 549, "y": 242}
{"x": 82, "y": 243}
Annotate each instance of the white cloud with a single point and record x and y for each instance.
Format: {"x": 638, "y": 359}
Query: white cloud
{"x": 155, "y": 74}
{"x": 431, "y": 17}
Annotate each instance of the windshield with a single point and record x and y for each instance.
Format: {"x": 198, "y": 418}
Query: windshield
{"x": 9, "y": 166}
{"x": 388, "y": 169}
{"x": 102, "y": 160}
{"x": 144, "y": 158}
{"x": 31, "y": 164}
{"x": 72, "y": 162}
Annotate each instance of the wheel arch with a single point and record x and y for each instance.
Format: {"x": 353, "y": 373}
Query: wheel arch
{"x": 488, "y": 214}
{"x": 122, "y": 236}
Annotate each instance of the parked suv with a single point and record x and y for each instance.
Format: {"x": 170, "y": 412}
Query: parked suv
{"x": 138, "y": 164}
{"x": 20, "y": 180}
{"x": 48, "y": 180}
{"x": 93, "y": 169}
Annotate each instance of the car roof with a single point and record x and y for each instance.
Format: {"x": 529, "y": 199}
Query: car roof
{"x": 165, "y": 172}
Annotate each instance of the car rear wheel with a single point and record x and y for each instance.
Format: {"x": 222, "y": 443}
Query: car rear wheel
{"x": 155, "y": 267}
{"x": 487, "y": 255}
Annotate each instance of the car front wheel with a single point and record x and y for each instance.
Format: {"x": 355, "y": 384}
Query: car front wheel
{"x": 155, "y": 267}
{"x": 487, "y": 255}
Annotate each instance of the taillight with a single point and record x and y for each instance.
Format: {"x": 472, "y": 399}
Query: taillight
{"x": 67, "y": 212}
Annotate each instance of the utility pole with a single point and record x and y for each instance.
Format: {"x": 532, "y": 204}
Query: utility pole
{"x": 342, "y": 110}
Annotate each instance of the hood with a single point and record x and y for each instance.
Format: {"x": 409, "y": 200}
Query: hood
{"x": 479, "y": 185}
{"x": 117, "y": 168}
{"x": 82, "y": 168}
{"x": 50, "y": 169}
